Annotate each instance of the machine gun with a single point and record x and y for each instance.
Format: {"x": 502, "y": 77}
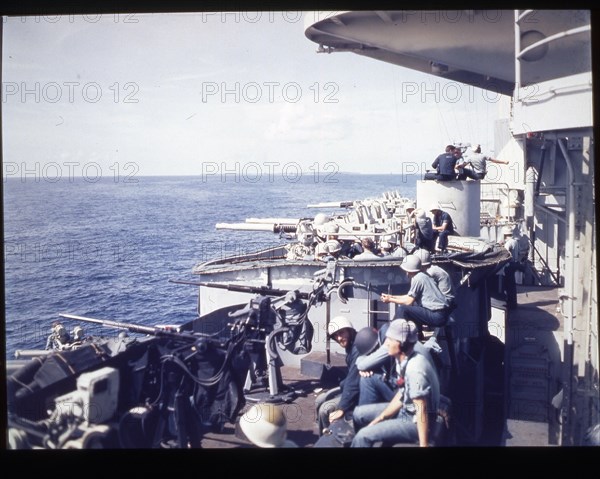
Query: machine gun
{"x": 172, "y": 332}
{"x": 163, "y": 391}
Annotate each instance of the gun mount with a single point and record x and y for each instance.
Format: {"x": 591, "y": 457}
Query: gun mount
{"x": 167, "y": 388}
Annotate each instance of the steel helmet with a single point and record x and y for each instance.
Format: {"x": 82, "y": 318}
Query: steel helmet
{"x": 320, "y": 249}
{"x": 264, "y": 424}
{"x": 403, "y": 331}
{"x": 367, "y": 339}
{"x": 411, "y": 264}
{"x": 60, "y": 331}
{"x": 337, "y": 324}
{"x": 333, "y": 246}
{"x": 424, "y": 256}
{"x": 332, "y": 228}
{"x": 77, "y": 333}
{"x": 321, "y": 219}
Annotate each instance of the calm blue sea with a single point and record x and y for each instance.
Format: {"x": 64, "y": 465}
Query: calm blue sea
{"x": 107, "y": 248}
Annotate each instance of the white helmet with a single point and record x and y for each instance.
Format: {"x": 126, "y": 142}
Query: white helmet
{"x": 338, "y": 323}
{"x": 332, "y": 228}
{"x": 77, "y": 333}
{"x": 424, "y": 256}
{"x": 60, "y": 331}
{"x": 264, "y": 424}
{"x": 320, "y": 249}
{"x": 321, "y": 219}
{"x": 411, "y": 264}
{"x": 434, "y": 207}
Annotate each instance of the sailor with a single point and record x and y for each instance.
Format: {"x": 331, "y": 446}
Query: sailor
{"x": 304, "y": 248}
{"x": 474, "y": 166}
{"x": 331, "y": 230}
{"x": 509, "y": 285}
{"x": 386, "y": 248}
{"x": 458, "y": 155}
{"x": 265, "y": 425}
{"x": 369, "y": 252}
{"x": 444, "y": 165}
{"x": 411, "y": 413}
{"x": 321, "y": 252}
{"x": 333, "y": 405}
{"x": 396, "y": 251}
{"x": 319, "y": 222}
{"x": 59, "y": 338}
{"x": 424, "y": 303}
{"x": 409, "y": 207}
{"x": 423, "y": 230}
{"x": 443, "y": 226}
{"x": 379, "y": 373}
{"x": 439, "y": 274}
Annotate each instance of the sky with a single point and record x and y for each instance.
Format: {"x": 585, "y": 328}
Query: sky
{"x": 205, "y": 93}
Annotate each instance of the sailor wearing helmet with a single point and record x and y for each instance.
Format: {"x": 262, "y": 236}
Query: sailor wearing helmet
{"x": 334, "y": 404}
{"x": 59, "y": 338}
{"x": 421, "y": 230}
{"x": 411, "y": 413}
{"x": 424, "y": 303}
{"x": 443, "y": 226}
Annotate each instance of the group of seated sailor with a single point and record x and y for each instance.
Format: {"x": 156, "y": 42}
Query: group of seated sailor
{"x": 391, "y": 392}
{"x": 417, "y": 230}
{"x": 424, "y": 232}
{"x": 456, "y": 164}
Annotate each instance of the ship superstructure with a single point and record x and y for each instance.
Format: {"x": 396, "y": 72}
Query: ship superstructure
{"x": 542, "y": 60}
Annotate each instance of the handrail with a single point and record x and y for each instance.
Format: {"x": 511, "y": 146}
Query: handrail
{"x": 551, "y": 38}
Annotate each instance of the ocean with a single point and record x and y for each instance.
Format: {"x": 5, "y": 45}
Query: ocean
{"x": 107, "y": 248}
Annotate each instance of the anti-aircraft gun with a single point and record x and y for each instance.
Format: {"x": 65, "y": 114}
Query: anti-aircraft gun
{"x": 374, "y": 218}
{"x": 165, "y": 389}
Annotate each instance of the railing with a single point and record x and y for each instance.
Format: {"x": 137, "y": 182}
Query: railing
{"x": 521, "y": 52}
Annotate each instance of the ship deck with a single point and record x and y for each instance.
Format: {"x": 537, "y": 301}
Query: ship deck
{"x": 533, "y": 349}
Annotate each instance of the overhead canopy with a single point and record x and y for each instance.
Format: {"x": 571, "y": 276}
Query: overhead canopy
{"x": 476, "y": 47}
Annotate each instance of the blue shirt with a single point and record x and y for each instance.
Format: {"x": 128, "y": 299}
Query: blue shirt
{"x": 444, "y": 164}
{"x": 350, "y": 384}
{"x": 443, "y": 217}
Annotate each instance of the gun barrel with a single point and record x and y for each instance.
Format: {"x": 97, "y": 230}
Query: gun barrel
{"x": 113, "y": 324}
{"x": 247, "y": 226}
{"x": 263, "y": 290}
{"x": 279, "y": 221}
{"x": 332, "y": 204}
